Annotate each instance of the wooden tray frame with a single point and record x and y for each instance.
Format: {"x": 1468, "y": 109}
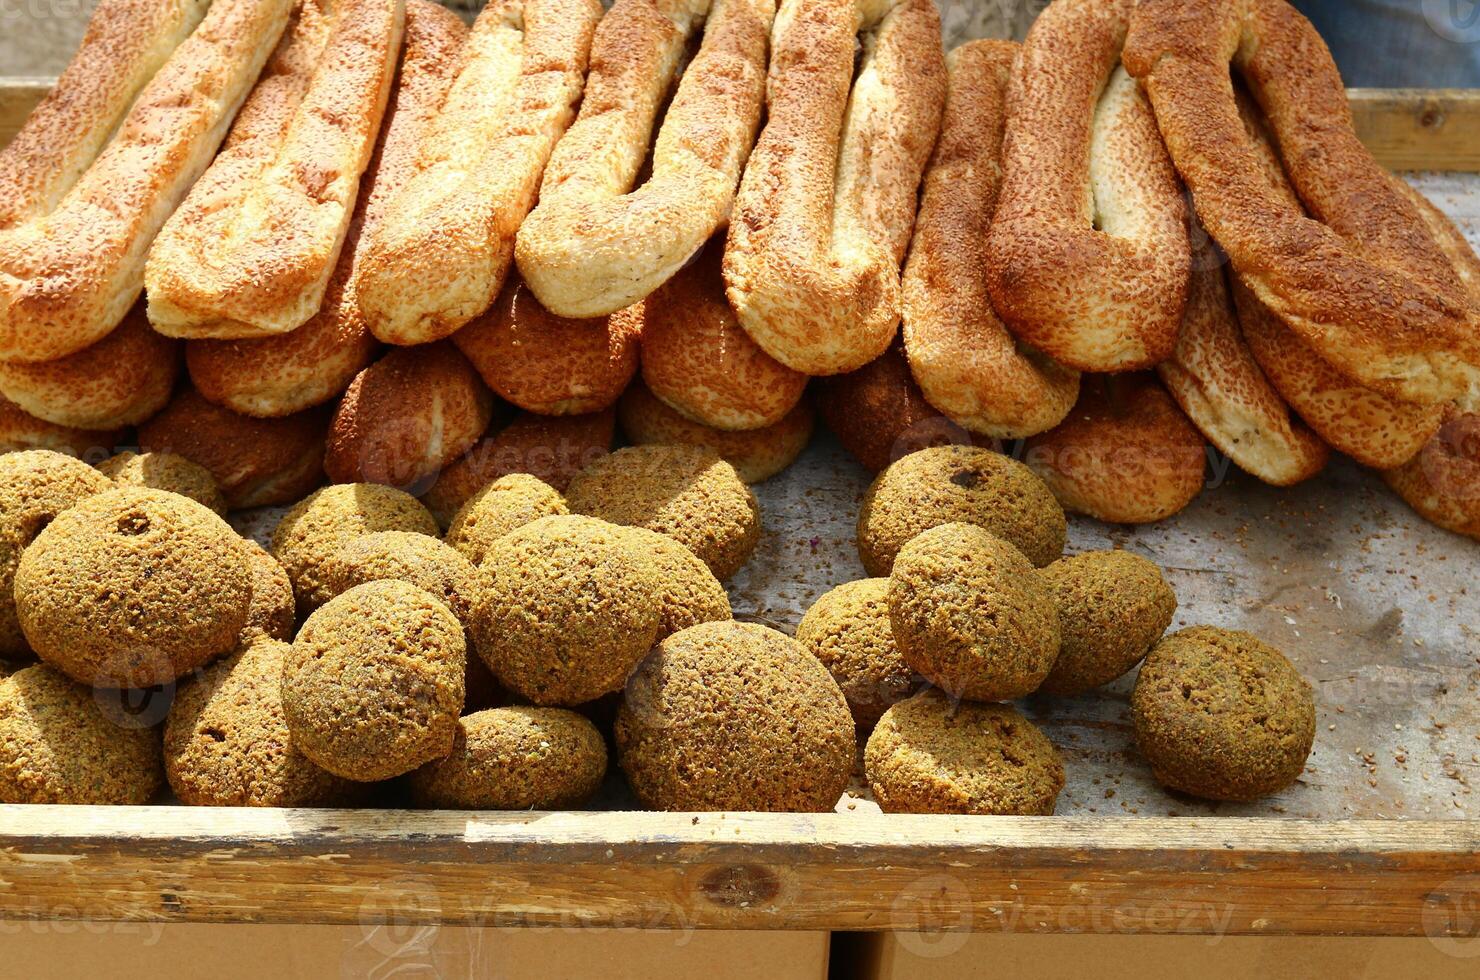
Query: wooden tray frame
{"x": 770, "y": 871}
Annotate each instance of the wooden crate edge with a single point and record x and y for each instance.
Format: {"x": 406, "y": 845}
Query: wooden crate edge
{"x": 742, "y": 871}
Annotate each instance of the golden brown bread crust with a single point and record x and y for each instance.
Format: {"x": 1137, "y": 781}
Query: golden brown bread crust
{"x": 1126, "y": 454}
{"x": 1442, "y": 482}
{"x": 1371, "y": 428}
{"x": 879, "y": 414}
{"x": 549, "y": 364}
{"x": 125, "y": 43}
{"x": 756, "y": 454}
{"x": 553, "y": 448}
{"x": 595, "y": 244}
{"x": 1087, "y": 258}
{"x": 1360, "y": 280}
{"x": 699, "y": 360}
{"x": 253, "y": 246}
{"x": 121, "y": 380}
{"x": 1216, "y": 381}
{"x": 18, "y": 430}
{"x": 823, "y": 215}
{"x": 69, "y": 276}
{"x": 274, "y": 376}
{"x": 406, "y": 416}
{"x": 965, "y": 361}
{"x": 439, "y": 256}
{"x": 256, "y": 462}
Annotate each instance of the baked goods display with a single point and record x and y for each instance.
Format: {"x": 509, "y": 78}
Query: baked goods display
{"x": 1087, "y": 256}
{"x": 439, "y": 254}
{"x": 589, "y": 248}
{"x": 523, "y": 507}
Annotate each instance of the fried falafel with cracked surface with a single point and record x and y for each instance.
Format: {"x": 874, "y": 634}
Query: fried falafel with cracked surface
{"x": 969, "y": 613}
{"x": 688, "y": 592}
{"x": 271, "y": 614}
{"x": 515, "y": 758}
{"x": 57, "y": 745}
{"x": 133, "y": 587}
{"x": 931, "y": 754}
{"x": 848, "y": 630}
{"x": 165, "y": 471}
{"x": 35, "y": 486}
{"x": 505, "y": 505}
{"x": 1113, "y": 606}
{"x": 226, "y": 739}
{"x": 314, "y": 530}
{"x": 735, "y": 716}
{"x": 403, "y": 556}
{"x": 965, "y": 484}
{"x": 686, "y": 492}
{"x": 1222, "y": 715}
{"x": 373, "y": 685}
{"x": 564, "y": 608}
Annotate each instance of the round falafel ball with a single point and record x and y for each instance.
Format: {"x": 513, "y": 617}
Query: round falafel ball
{"x": 403, "y": 556}
{"x": 930, "y": 754}
{"x": 1113, "y": 606}
{"x": 133, "y": 587}
{"x": 515, "y": 759}
{"x": 165, "y": 471}
{"x": 35, "y": 486}
{"x": 848, "y": 630}
{"x": 314, "y": 530}
{"x": 271, "y": 614}
{"x": 689, "y": 594}
{"x": 57, "y": 745}
{"x": 564, "y": 608}
{"x": 1222, "y": 715}
{"x": 505, "y": 505}
{"x": 373, "y": 685}
{"x": 958, "y": 484}
{"x": 686, "y": 492}
{"x": 969, "y": 614}
{"x": 226, "y": 740}
{"x": 735, "y": 716}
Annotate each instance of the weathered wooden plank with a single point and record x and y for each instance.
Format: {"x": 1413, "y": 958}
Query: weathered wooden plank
{"x": 753, "y": 871}
{"x": 1420, "y": 129}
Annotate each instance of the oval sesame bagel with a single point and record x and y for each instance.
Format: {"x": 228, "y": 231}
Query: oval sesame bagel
{"x": 69, "y": 275}
{"x": 283, "y": 374}
{"x": 439, "y": 256}
{"x": 822, "y": 219}
{"x": 251, "y": 250}
{"x": 550, "y": 364}
{"x": 1087, "y": 258}
{"x": 1126, "y": 454}
{"x": 406, "y": 416}
{"x": 966, "y": 362}
{"x": 256, "y": 462}
{"x": 1442, "y": 482}
{"x": 699, "y": 360}
{"x": 1372, "y": 428}
{"x": 20, "y": 430}
{"x": 879, "y": 414}
{"x": 1217, "y": 382}
{"x": 756, "y": 454}
{"x": 125, "y": 44}
{"x": 552, "y": 448}
{"x": 1359, "y": 279}
{"x": 595, "y": 243}
{"x": 121, "y": 380}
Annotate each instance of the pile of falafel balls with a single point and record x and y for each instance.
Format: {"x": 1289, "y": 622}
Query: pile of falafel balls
{"x": 372, "y": 659}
